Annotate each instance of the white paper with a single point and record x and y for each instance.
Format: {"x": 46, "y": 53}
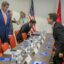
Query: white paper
{"x": 39, "y": 37}
{"x": 34, "y": 45}
{"x": 28, "y": 59}
{"x": 26, "y": 50}
{"x": 42, "y": 34}
{"x": 42, "y": 41}
{"x": 44, "y": 37}
{"x": 19, "y": 59}
{"x": 13, "y": 52}
{"x": 31, "y": 45}
{"x": 18, "y": 52}
{"x": 38, "y": 45}
{"x": 35, "y": 50}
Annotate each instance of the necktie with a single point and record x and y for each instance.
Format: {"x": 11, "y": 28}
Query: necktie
{"x": 5, "y": 19}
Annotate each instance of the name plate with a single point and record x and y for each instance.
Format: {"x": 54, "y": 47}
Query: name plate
{"x": 35, "y": 50}
{"x": 28, "y": 59}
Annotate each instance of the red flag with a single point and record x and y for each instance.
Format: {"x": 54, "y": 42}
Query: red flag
{"x": 59, "y": 19}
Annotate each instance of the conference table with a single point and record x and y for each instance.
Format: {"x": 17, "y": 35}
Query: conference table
{"x": 45, "y": 52}
{"x": 36, "y": 50}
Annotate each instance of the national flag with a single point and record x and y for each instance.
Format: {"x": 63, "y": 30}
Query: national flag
{"x": 59, "y": 19}
{"x": 32, "y": 16}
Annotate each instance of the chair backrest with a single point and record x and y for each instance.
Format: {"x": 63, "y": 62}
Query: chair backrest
{"x": 1, "y": 51}
{"x": 12, "y": 41}
{"x": 5, "y": 47}
{"x": 1, "y": 54}
{"x": 24, "y": 36}
{"x": 0, "y": 42}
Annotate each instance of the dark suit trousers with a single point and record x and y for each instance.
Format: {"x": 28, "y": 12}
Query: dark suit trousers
{"x": 56, "y": 59}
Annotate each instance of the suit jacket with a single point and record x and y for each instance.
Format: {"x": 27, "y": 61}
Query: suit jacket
{"x": 4, "y": 29}
{"x": 24, "y": 29}
{"x": 58, "y": 34}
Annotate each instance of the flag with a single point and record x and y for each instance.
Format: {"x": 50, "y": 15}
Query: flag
{"x": 59, "y": 19}
{"x": 32, "y": 16}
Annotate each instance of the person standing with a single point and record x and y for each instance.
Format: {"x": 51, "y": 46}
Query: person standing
{"x": 5, "y": 29}
{"x": 58, "y": 34}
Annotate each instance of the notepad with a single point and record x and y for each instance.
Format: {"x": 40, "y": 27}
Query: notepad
{"x": 43, "y": 53}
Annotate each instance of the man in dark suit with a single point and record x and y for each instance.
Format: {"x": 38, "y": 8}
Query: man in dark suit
{"x": 4, "y": 22}
{"x": 58, "y": 34}
{"x": 25, "y": 29}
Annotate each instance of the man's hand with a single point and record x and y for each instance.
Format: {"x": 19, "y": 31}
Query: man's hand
{"x": 60, "y": 55}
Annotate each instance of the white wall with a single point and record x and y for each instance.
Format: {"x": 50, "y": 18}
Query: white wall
{"x": 42, "y": 8}
{"x": 18, "y": 5}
